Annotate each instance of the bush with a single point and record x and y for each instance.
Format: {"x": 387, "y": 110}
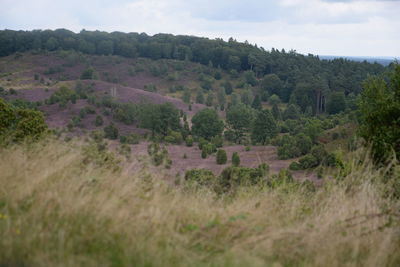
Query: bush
{"x": 174, "y": 137}
{"x": 204, "y": 154}
{"x": 98, "y": 121}
{"x": 111, "y": 132}
{"x": 235, "y": 159}
{"x": 202, "y": 177}
{"x": 294, "y": 166}
{"x": 189, "y": 141}
{"x": 131, "y": 139}
{"x": 221, "y": 157}
{"x": 308, "y": 161}
{"x": 18, "y": 124}
{"x": 217, "y": 141}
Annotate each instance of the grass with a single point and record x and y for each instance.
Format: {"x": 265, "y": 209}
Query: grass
{"x": 59, "y": 209}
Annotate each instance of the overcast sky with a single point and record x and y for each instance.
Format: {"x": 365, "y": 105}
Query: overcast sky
{"x": 324, "y": 27}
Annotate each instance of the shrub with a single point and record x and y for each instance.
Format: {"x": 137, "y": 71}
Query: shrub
{"x": 221, "y": 157}
{"x": 217, "y": 141}
{"x": 111, "y": 132}
{"x": 235, "y": 159}
{"x": 232, "y": 177}
{"x": 204, "y": 154}
{"x": 308, "y": 161}
{"x": 174, "y": 137}
{"x": 131, "y": 139}
{"x": 202, "y": 177}
{"x": 294, "y": 166}
{"x": 189, "y": 141}
{"x": 98, "y": 121}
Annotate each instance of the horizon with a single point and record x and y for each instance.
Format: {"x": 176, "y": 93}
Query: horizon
{"x": 362, "y": 28}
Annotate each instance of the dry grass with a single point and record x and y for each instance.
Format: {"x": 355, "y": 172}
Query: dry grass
{"x": 55, "y": 211}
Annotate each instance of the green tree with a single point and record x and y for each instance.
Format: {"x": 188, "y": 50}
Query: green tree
{"x": 272, "y": 84}
{"x": 257, "y": 103}
{"x": 200, "y": 97}
{"x": 380, "y": 115}
{"x": 291, "y": 112}
{"x": 264, "y": 127}
{"x": 206, "y": 124}
{"x": 276, "y": 112}
{"x": 235, "y": 159}
{"x": 186, "y": 97}
{"x": 221, "y": 157}
{"x": 210, "y": 99}
{"x": 336, "y": 103}
{"x": 274, "y": 100}
{"x": 239, "y": 118}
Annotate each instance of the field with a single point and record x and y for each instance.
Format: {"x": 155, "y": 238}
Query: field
{"x": 58, "y": 208}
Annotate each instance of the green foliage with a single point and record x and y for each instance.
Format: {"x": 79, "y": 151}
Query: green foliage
{"x": 131, "y": 139}
{"x": 291, "y": 112}
{"x": 98, "y": 121}
{"x": 87, "y": 74}
{"x": 276, "y": 112}
{"x": 336, "y": 103}
{"x": 233, "y": 177}
{"x": 239, "y": 118}
{"x": 256, "y": 103}
{"x": 264, "y": 127}
{"x": 308, "y": 161}
{"x": 186, "y": 97}
{"x": 174, "y": 137}
{"x": 380, "y": 115}
{"x": 202, "y": 177}
{"x": 235, "y": 159}
{"x": 206, "y": 124}
{"x": 217, "y": 141}
{"x": 111, "y": 132}
{"x": 200, "y": 97}
{"x": 221, "y": 157}
{"x": 272, "y": 84}
{"x": 189, "y": 141}
{"x": 20, "y": 124}
{"x": 274, "y": 100}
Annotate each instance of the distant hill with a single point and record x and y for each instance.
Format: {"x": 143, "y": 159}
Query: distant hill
{"x": 385, "y": 61}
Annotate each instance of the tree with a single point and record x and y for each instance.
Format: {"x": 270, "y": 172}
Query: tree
{"x": 264, "y": 127}
{"x": 221, "y": 157}
{"x": 247, "y": 97}
{"x": 291, "y": 112}
{"x": 186, "y": 96}
{"x": 274, "y": 100}
{"x": 239, "y": 118}
{"x": 272, "y": 84}
{"x": 250, "y": 77}
{"x": 228, "y": 87}
{"x": 235, "y": 159}
{"x": 276, "y": 112}
{"x": 380, "y": 115}
{"x": 336, "y": 103}
{"x": 105, "y": 47}
{"x": 221, "y": 97}
{"x": 210, "y": 99}
{"x": 206, "y": 124}
{"x": 256, "y": 103}
{"x": 200, "y": 97}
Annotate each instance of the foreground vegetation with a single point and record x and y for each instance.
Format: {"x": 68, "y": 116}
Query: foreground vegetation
{"x": 61, "y": 206}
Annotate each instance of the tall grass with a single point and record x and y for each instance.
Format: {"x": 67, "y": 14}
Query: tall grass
{"x": 59, "y": 210}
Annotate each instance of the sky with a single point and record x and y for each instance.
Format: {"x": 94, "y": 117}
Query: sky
{"x": 320, "y": 27}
